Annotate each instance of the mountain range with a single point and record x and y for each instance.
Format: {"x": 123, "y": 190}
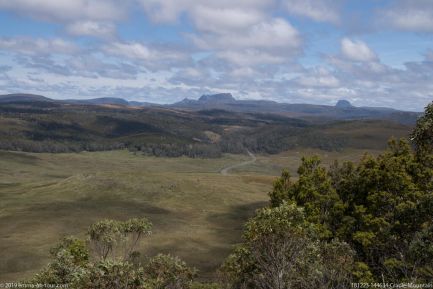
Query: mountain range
{"x": 343, "y": 110}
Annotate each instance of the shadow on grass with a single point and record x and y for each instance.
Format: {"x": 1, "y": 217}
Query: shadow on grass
{"x": 208, "y": 255}
{"x": 27, "y": 235}
{"x": 229, "y": 226}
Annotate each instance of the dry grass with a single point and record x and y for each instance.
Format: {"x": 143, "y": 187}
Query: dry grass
{"x": 197, "y": 213}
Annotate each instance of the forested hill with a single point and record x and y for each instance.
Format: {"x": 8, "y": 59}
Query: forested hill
{"x": 343, "y": 110}
{"x": 39, "y": 124}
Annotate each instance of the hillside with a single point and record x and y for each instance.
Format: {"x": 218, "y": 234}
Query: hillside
{"x": 22, "y": 97}
{"x": 52, "y": 126}
{"x": 343, "y": 110}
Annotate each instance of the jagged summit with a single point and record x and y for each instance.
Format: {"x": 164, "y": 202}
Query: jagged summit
{"x": 217, "y": 98}
{"x": 343, "y": 103}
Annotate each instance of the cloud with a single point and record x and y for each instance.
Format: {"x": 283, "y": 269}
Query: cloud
{"x": 363, "y": 83}
{"x": 145, "y": 53}
{"x": 169, "y": 10}
{"x": 357, "y": 50}
{"x": 86, "y": 66}
{"x": 197, "y": 76}
{"x": 317, "y": 10}
{"x": 318, "y": 77}
{"x": 3, "y": 72}
{"x": 409, "y": 15}
{"x": 91, "y": 28}
{"x": 221, "y": 20}
{"x": 274, "y": 34}
{"x": 250, "y": 57}
{"x": 240, "y": 32}
{"x": 132, "y": 50}
{"x": 5, "y": 68}
{"x": 268, "y": 42}
{"x": 37, "y": 46}
{"x": 429, "y": 55}
{"x": 249, "y": 47}
{"x": 65, "y": 11}
{"x": 151, "y": 57}
{"x": 376, "y": 84}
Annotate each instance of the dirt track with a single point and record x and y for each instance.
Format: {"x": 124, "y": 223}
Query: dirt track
{"x": 225, "y": 171}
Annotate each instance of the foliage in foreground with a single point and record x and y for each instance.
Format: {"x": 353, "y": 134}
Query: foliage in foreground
{"x": 365, "y": 222}
{"x": 282, "y": 250}
{"x": 108, "y": 260}
{"x": 381, "y": 206}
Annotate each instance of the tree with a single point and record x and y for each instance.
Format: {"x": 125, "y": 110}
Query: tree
{"x": 281, "y": 250}
{"x": 117, "y": 240}
{"x": 377, "y": 206}
{"x": 111, "y": 274}
{"x": 106, "y": 261}
{"x": 314, "y": 192}
{"x": 381, "y": 206}
{"x": 71, "y": 257}
{"x": 168, "y": 272}
{"x": 422, "y": 136}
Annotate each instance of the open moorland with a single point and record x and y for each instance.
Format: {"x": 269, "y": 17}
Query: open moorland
{"x": 197, "y": 212}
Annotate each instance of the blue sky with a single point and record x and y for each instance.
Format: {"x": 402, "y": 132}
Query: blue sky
{"x": 370, "y": 52}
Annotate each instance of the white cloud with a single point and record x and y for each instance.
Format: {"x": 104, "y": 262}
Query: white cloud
{"x": 271, "y": 34}
{"x": 64, "y": 11}
{"x": 221, "y": 20}
{"x": 130, "y": 50}
{"x": 169, "y": 10}
{"x": 276, "y": 33}
{"x": 91, "y": 28}
{"x": 245, "y": 46}
{"x": 318, "y": 10}
{"x": 410, "y": 15}
{"x": 250, "y": 57}
{"x": 412, "y": 20}
{"x": 85, "y": 66}
{"x": 151, "y": 57}
{"x": 270, "y": 42}
{"x": 318, "y": 78}
{"x": 244, "y": 72}
{"x": 37, "y": 46}
{"x": 357, "y": 50}
{"x": 240, "y": 32}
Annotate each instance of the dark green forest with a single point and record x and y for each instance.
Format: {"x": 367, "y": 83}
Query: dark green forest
{"x": 369, "y": 222}
{"x": 55, "y": 128}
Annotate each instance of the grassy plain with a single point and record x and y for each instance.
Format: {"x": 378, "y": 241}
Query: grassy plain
{"x": 197, "y": 212}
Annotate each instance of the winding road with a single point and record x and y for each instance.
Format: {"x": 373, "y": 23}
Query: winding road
{"x": 225, "y": 171}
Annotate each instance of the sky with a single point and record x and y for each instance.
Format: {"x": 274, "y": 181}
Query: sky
{"x": 370, "y": 52}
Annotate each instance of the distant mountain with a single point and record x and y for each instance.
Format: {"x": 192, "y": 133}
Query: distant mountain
{"x": 109, "y": 100}
{"x": 207, "y": 101}
{"x": 343, "y": 104}
{"x": 22, "y": 97}
{"x": 217, "y": 98}
{"x": 185, "y": 102}
{"x": 141, "y": 103}
{"x": 99, "y": 101}
{"x": 343, "y": 110}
